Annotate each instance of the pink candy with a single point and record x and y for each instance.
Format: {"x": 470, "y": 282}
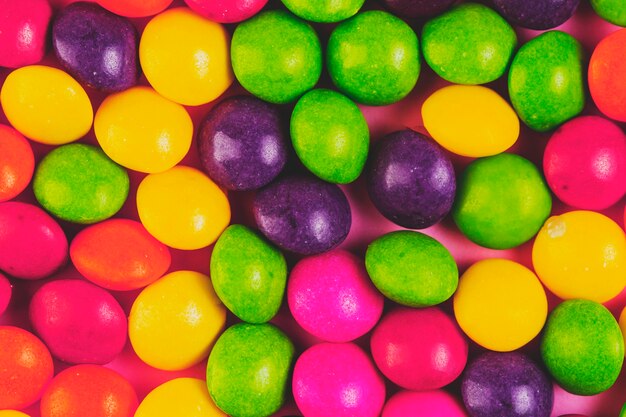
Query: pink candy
{"x": 423, "y": 404}
{"x": 24, "y": 26}
{"x": 5, "y": 293}
{"x": 226, "y": 11}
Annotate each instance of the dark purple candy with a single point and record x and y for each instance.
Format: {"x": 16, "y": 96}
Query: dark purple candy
{"x": 506, "y": 384}
{"x": 243, "y": 145}
{"x": 96, "y": 46}
{"x": 417, "y": 8}
{"x": 536, "y": 14}
{"x": 410, "y": 179}
{"x": 303, "y": 215}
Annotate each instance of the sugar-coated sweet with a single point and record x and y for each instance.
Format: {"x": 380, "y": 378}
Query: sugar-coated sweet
{"x": 419, "y": 349}
{"x": 174, "y": 321}
{"x": 226, "y": 11}
{"x": 181, "y": 397}
{"x": 613, "y": 11}
{"x": 330, "y": 135}
{"x": 411, "y": 9}
{"x": 24, "y": 26}
{"x": 251, "y": 282}
{"x": 32, "y": 244}
{"x": 424, "y": 404}
{"x": 337, "y": 380}
{"x": 302, "y": 214}
{"x": 79, "y": 322}
{"x": 243, "y": 143}
{"x": 331, "y": 296}
{"x": 248, "y": 370}
{"x": 581, "y": 254}
{"x": 17, "y": 163}
{"x": 536, "y": 14}
{"x": 12, "y": 413}
{"x": 411, "y": 180}
{"x": 374, "y": 58}
{"x": 607, "y": 70}
{"x": 582, "y": 347}
{"x": 119, "y": 255}
{"x": 622, "y": 326}
{"x": 324, "y": 11}
{"x": 135, "y": 8}
{"x": 5, "y": 293}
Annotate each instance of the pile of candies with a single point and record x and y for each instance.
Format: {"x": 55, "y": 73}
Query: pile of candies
{"x": 130, "y": 129}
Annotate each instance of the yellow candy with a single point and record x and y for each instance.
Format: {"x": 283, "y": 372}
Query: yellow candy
{"x": 581, "y": 254}
{"x": 470, "y": 120}
{"x": 175, "y": 320}
{"x": 180, "y": 397}
{"x": 186, "y": 57}
{"x": 141, "y": 130}
{"x": 182, "y": 208}
{"x": 46, "y": 105}
{"x": 12, "y": 413}
{"x": 500, "y": 304}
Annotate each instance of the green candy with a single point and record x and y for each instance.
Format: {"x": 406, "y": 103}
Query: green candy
{"x": 80, "y": 184}
{"x": 251, "y": 282}
{"x": 412, "y": 269}
{"x": 469, "y": 44}
{"x": 276, "y": 56}
{"x": 248, "y": 370}
{"x": 613, "y": 11}
{"x": 502, "y": 201}
{"x": 373, "y": 58}
{"x": 582, "y": 347}
{"x": 623, "y": 412}
{"x": 324, "y": 11}
{"x": 546, "y": 81}
{"x": 330, "y": 136}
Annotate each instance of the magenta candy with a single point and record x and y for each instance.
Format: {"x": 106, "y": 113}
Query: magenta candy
{"x": 23, "y": 29}
{"x": 5, "y": 293}
{"x": 226, "y": 11}
{"x": 437, "y": 403}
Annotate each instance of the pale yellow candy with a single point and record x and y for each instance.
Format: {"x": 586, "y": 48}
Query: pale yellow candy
{"x": 180, "y": 397}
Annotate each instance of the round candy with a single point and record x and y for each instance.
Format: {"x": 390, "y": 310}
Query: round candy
{"x": 175, "y": 320}
{"x": 5, "y": 293}
{"x": 226, "y": 11}
{"x": 424, "y": 404}
{"x": 243, "y": 143}
{"x": 411, "y": 268}
{"x": 622, "y": 326}
{"x": 135, "y": 8}
{"x": 180, "y": 397}
{"x": 411, "y": 180}
{"x": 581, "y": 254}
{"x": 419, "y": 350}
{"x": 46, "y": 105}
{"x": 337, "y": 380}
{"x": 502, "y": 201}
{"x": 119, "y": 255}
{"x": 12, "y": 413}
{"x": 331, "y": 297}
{"x": 583, "y": 347}
{"x": 470, "y": 121}
{"x": 276, "y": 56}
{"x": 17, "y": 163}
{"x": 88, "y": 390}
{"x": 182, "y": 208}
{"x": 536, "y": 14}
{"x": 324, "y": 11}
{"x": 469, "y": 44}
{"x": 585, "y": 163}
{"x": 374, "y": 58}
{"x": 24, "y": 26}
{"x": 80, "y": 184}
{"x": 607, "y": 70}
{"x": 303, "y": 215}
{"x": 613, "y": 11}
{"x": 411, "y": 9}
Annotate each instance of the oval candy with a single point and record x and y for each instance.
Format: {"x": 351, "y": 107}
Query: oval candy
{"x": 180, "y": 397}
{"x": 607, "y": 70}
{"x": 24, "y": 30}
{"x": 17, "y": 163}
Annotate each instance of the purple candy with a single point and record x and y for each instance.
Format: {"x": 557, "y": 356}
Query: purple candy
{"x": 536, "y": 14}
{"x": 303, "y": 215}
{"x": 417, "y": 8}
{"x": 410, "y": 179}
{"x": 96, "y": 46}
{"x": 506, "y": 384}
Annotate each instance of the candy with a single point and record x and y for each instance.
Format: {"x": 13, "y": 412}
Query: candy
{"x": 243, "y": 143}
{"x": 469, "y": 44}
{"x": 581, "y": 254}
{"x": 248, "y": 370}
{"x": 182, "y": 208}
{"x": 411, "y": 268}
{"x": 419, "y": 350}
{"x": 331, "y": 297}
{"x": 17, "y": 163}
{"x": 373, "y": 58}
{"x": 502, "y": 201}
{"x": 226, "y": 11}
{"x": 24, "y": 26}
{"x": 585, "y": 163}
{"x": 180, "y": 397}
{"x": 337, "y": 380}
{"x": 119, "y": 254}
{"x": 325, "y": 11}
{"x": 607, "y": 70}
{"x": 276, "y": 56}
{"x": 46, "y": 105}
{"x": 330, "y": 136}
{"x": 500, "y": 304}
{"x": 582, "y": 347}
{"x": 79, "y": 183}
{"x": 470, "y": 121}
{"x": 12, "y": 413}
{"x": 613, "y": 11}
{"x": 5, "y": 293}
{"x": 135, "y": 8}
{"x": 412, "y": 9}
{"x": 411, "y": 180}
{"x": 423, "y": 404}
{"x": 622, "y": 326}
{"x": 175, "y": 320}
{"x": 250, "y": 283}
{"x": 536, "y": 14}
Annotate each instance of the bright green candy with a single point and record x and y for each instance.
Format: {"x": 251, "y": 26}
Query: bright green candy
{"x": 502, "y": 201}
{"x": 623, "y": 412}
{"x": 250, "y": 282}
{"x": 248, "y": 370}
{"x": 373, "y": 58}
{"x": 546, "y": 81}
{"x": 469, "y": 44}
{"x": 276, "y": 56}
{"x": 330, "y": 136}
{"x": 582, "y": 347}
{"x": 324, "y": 11}
{"x": 613, "y": 11}
{"x": 80, "y": 184}
{"x": 412, "y": 268}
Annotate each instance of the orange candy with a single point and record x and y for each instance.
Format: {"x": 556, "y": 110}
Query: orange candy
{"x": 135, "y": 8}
{"x": 17, "y": 163}
{"x": 607, "y": 72}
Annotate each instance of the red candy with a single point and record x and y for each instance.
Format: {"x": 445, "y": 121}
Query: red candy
{"x": 17, "y": 162}
{"x": 135, "y": 8}
{"x": 607, "y": 72}
{"x": 24, "y": 26}
{"x": 226, "y": 11}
